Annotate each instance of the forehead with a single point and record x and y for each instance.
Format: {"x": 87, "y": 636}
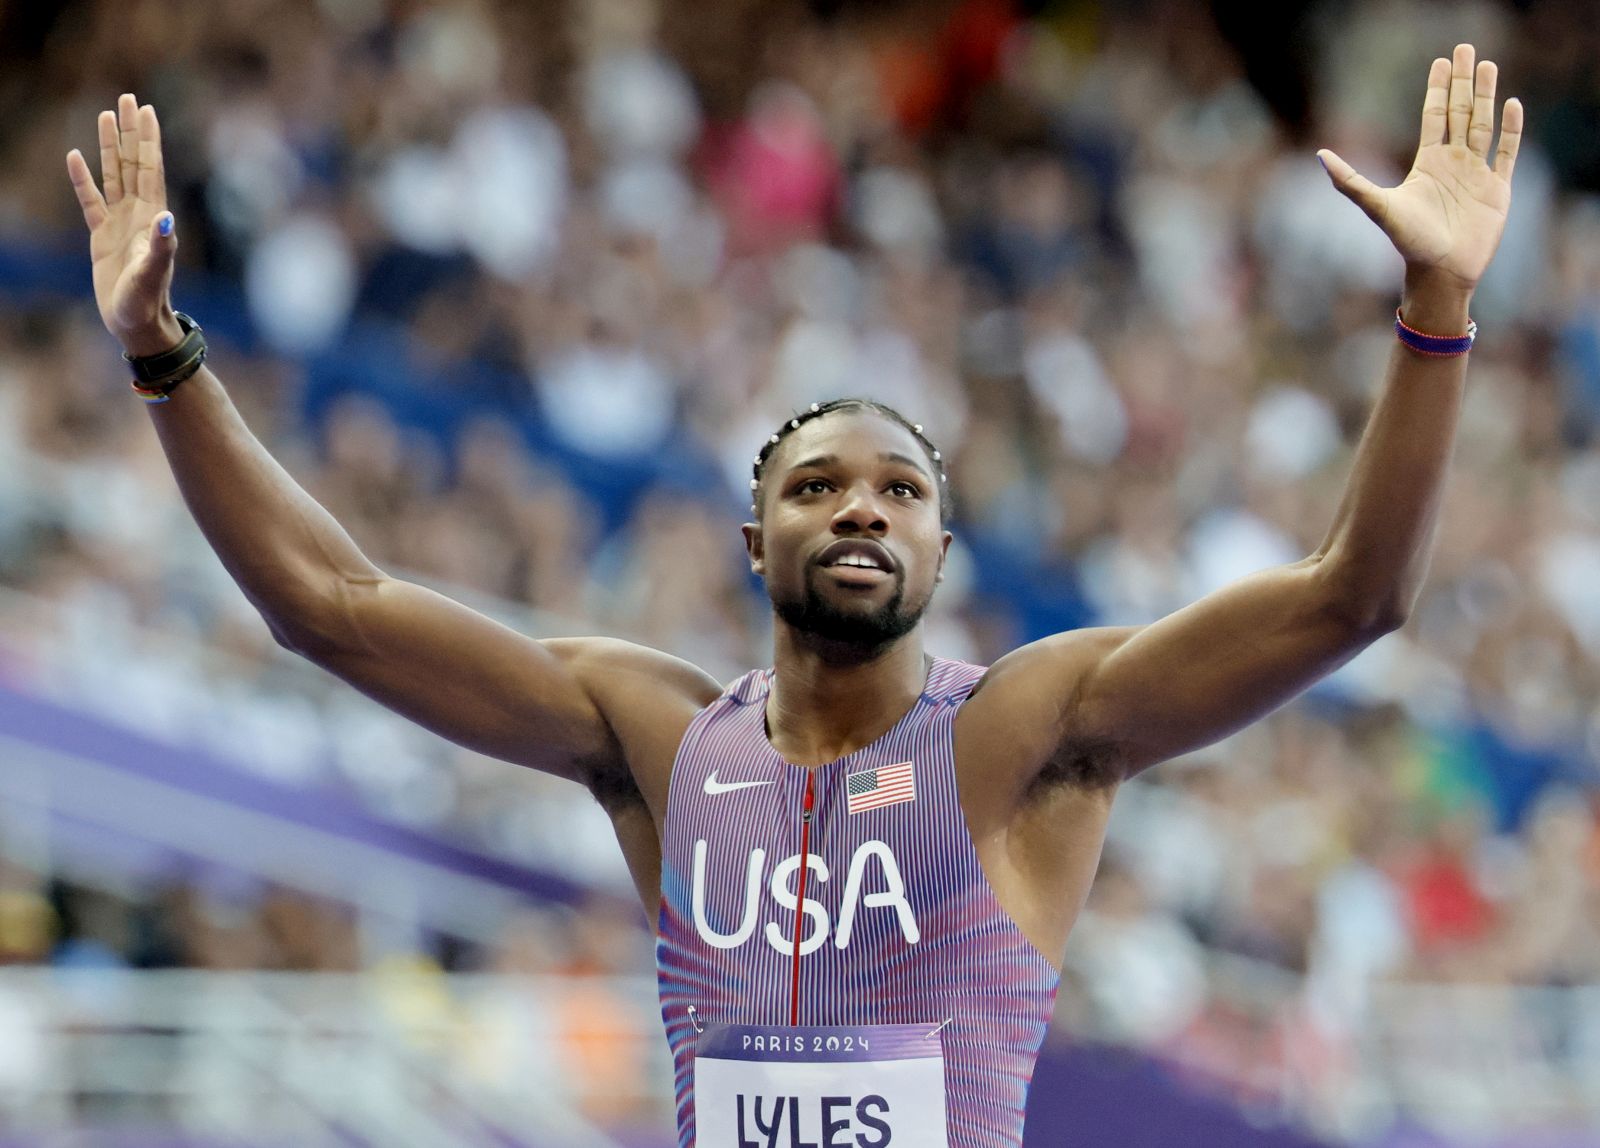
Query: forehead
{"x": 853, "y": 437}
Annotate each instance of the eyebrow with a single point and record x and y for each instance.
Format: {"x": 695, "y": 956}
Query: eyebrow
{"x": 827, "y": 460}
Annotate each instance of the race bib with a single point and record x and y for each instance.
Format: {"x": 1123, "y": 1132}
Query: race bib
{"x": 872, "y": 1086}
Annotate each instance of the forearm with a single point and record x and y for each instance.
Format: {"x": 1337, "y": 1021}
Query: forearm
{"x": 1376, "y": 552}
{"x": 293, "y": 561}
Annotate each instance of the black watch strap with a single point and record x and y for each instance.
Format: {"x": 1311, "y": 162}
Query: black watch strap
{"x": 168, "y": 369}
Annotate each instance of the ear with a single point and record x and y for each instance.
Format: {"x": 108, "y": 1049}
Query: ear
{"x": 944, "y": 552}
{"x": 755, "y": 547}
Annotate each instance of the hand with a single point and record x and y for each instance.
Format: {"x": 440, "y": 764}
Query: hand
{"x": 132, "y": 239}
{"x": 1445, "y": 219}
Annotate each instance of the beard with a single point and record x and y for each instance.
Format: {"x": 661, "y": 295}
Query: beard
{"x": 857, "y": 630}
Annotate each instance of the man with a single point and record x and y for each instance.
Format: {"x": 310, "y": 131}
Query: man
{"x": 865, "y": 861}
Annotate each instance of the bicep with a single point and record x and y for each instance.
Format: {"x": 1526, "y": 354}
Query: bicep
{"x": 1213, "y": 667}
{"x": 467, "y": 678}
{"x": 1096, "y": 705}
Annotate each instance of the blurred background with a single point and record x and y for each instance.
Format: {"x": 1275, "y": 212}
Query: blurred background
{"x": 516, "y": 289}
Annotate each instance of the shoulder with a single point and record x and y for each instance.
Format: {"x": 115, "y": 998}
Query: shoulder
{"x": 1045, "y": 670}
{"x": 1019, "y": 719}
{"x": 622, "y": 669}
{"x": 646, "y": 697}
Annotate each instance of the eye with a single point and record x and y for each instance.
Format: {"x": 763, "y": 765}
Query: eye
{"x": 811, "y": 486}
{"x": 906, "y": 489}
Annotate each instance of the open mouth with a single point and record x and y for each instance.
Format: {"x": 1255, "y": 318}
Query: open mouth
{"x": 858, "y": 575}
{"x": 857, "y": 560}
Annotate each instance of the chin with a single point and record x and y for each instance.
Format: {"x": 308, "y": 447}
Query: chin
{"x": 860, "y": 619}
{"x": 860, "y": 598}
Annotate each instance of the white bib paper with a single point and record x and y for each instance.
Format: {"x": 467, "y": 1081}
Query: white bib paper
{"x": 873, "y": 1086}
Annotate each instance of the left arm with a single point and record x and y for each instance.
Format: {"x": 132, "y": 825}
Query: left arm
{"x": 1119, "y": 700}
{"x": 1205, "y": 671}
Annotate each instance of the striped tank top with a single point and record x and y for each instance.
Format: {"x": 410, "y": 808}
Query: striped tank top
{"x": 897, "y": 921}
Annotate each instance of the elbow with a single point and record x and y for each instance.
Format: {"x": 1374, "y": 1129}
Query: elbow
{"x": 315, "y": 627}
{"x": 1372, "y": 620}
{"x": 280, "y": 635}
{"x": 308, "y": 641}
{"x": 1367, "y": 609}
{"x": 313, "y": 643}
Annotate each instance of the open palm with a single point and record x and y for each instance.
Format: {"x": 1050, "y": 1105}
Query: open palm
{"x": 132, "y": 257}
{"x": 1448, "y": 214}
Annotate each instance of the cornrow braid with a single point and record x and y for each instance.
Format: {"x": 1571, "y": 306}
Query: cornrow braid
{"x": 816, "y": 411}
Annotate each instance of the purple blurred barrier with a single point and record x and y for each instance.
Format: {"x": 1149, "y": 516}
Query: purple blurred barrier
{"x": 1097, "y": 1097}
{"x": 109, "y": 798}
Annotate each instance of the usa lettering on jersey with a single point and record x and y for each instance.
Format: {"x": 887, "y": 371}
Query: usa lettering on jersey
{"x": 873, "y": 861}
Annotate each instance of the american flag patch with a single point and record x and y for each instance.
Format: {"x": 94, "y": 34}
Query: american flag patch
{"x": 872, "y": 788}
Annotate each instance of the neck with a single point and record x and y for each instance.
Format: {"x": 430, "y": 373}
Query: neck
{"x": 826, "y": 703}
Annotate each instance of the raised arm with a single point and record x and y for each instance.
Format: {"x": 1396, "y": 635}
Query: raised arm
{"x": 1115, "y": 701}
{"x": 449, "y": 668}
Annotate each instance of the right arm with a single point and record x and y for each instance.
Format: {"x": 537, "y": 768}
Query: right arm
{"x": 451, "y": 669}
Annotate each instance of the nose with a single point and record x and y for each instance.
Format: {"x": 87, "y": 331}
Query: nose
{"x": 860, "y": 512}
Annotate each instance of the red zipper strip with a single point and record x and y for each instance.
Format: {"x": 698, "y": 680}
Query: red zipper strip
{"x": 800, "y": 901}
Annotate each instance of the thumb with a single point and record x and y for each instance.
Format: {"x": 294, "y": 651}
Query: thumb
{"x": 155, "y": 271}
{"x": 1354, "y": 186}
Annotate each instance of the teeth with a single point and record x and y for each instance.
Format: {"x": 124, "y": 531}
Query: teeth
{"x": 857, "y": 560}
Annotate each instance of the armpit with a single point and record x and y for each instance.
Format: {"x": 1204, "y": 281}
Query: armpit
{"x": 613, "y": 786}
{"x": 1080, "y": 765}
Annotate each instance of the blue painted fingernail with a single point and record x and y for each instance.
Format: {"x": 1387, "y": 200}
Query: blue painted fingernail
{"x": 165, "y": 226}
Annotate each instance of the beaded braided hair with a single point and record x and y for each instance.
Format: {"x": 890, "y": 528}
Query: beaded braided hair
{"x": 869, "y": 406}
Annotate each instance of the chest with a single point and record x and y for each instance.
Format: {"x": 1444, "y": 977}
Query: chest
{"x": 850, "y": 853}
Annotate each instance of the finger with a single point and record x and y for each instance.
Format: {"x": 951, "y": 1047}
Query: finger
{"x": 1354, "y": 186}
{"x": 1460, "y": 93}
{"x": 1505, "y": 158}
{"x": 128, "y": 142}
{"x": 152, "y": 179}
{"x": 1435, "y": 102}
{"x": 89, "y": 197}
{"x": 1481, "y": 131}
{"x": 155, "y": 271}
{"x": 110, "y": 161}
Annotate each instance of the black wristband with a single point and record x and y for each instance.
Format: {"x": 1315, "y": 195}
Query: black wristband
{"x": 164, "y": 371}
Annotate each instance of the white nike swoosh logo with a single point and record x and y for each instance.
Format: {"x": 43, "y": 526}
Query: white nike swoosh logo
{"x": 714, "y": 787}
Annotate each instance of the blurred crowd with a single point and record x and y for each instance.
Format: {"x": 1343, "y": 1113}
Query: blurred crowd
{"x": 516, "y": 290}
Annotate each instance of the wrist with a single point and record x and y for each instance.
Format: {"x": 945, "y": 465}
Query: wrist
{"x": 155, "y": 376}
{"x": 156, "y": 339}
{"x": 1433, "y": 304}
